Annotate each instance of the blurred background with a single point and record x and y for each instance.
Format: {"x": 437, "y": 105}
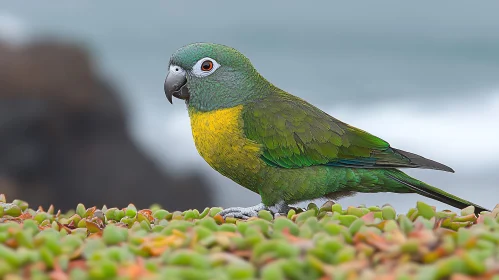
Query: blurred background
{"x": 83, "y": 115}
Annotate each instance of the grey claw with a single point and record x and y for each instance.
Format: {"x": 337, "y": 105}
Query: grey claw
{"x": 248, "y": 212}
{"x": 241, "y": 212}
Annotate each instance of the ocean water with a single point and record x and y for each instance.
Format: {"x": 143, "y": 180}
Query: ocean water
{"x": 424, "y": 77}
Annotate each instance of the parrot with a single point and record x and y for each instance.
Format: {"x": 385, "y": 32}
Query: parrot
{"x": 278, "y": 145}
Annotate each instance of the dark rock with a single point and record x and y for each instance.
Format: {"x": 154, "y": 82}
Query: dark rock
{"x": 64, "y": 138}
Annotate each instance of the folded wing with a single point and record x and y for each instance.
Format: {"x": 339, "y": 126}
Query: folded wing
{"x": 296, "y": 134}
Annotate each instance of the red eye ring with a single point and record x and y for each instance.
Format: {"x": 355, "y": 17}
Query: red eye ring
{"x": 207, "y": 65}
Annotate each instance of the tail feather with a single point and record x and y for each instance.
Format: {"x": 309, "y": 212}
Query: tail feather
{"x": 432, "y": 192}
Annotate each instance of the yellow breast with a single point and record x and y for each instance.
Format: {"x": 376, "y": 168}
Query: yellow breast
{"x": 219, "y": 139}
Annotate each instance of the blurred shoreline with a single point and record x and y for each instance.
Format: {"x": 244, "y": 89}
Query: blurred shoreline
{"x": 421, "y": 76}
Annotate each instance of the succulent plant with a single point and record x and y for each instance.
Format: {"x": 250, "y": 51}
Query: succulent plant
{"x": 327, "y": 242}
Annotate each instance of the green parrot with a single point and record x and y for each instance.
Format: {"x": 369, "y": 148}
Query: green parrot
{"x": 278, "y": 145}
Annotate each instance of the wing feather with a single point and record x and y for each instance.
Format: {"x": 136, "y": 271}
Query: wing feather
{"x": 294, "y": 134}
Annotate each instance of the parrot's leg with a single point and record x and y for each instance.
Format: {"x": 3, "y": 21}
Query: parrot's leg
{"x": 247, "y": 212}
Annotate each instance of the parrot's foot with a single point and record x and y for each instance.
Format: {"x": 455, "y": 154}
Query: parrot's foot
{"x": 242, "y": 212}
{"x": 248, "y": 212}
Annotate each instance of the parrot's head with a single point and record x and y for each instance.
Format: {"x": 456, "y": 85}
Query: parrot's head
{"x": 211, "y": 76}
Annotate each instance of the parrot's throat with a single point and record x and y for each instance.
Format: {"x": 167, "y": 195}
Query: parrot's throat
{"x": 219, "y": 139}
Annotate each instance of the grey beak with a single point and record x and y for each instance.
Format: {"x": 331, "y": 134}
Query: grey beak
{"x": 175, "y": 85}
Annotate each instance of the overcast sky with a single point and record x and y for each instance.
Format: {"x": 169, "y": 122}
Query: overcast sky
{"x": 424, "y": 77}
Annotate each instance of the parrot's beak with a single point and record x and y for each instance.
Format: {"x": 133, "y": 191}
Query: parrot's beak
{"x": 175, "y": 85}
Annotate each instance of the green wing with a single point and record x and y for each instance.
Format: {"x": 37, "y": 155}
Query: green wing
{"x": 296, "y": 134}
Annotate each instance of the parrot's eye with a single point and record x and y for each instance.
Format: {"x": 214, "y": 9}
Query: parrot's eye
{"x": 204, "y": 67}
{"x": 207, "y": 65}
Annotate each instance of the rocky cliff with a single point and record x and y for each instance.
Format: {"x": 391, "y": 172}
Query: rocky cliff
{"x": 64, "y": 138}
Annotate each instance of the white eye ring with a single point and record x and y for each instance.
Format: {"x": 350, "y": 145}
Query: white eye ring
{"x": 199, "y": 72}
{"x": 177, "y": 70}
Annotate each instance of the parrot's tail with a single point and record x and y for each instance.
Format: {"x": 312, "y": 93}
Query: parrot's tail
{"x": 430, "y": 191}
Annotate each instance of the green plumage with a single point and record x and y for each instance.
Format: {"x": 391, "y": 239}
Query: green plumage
{"x": 296, "y": 134}
{"x": 304, "y": 152}
{"x": 313, "y": 154}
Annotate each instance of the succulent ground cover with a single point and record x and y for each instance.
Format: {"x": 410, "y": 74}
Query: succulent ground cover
{"x": 328, "y": 242}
